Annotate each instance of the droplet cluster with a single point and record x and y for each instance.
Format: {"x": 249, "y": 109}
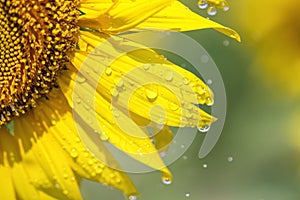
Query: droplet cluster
{"x": 212, "y": 5}
{"x": 36, "y": 37}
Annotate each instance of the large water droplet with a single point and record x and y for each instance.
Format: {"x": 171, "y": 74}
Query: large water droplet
{"x": 166, "y": 181}
{"x": 204, "y": 128}
{"x": 202, "y": 4}
{"x": 151, "y": 94}
{"x": 211, "y": 10}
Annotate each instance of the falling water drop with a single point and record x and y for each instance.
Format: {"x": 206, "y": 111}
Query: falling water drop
{"x": 166, "y": 181}
{"x": 230, "y": 159}
{"x": 204, "y": 128}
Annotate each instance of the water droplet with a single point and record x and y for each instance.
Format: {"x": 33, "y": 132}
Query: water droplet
{"x": 173, "y": 106}
{"x": 108, "y": 71}
{"x": 204, "y": 166}
{"x": 225, "y": 6}
{"x": 132, "y": 197}
{"x": 230, "y": 159}
{"x": 162, "y": 154}
{"x": 204, "y": 128}
{"x": 209, "y": 101}
{"x": 187, "y": 194}
{"x": 226, "y": 43}
{"x": 185, "y": 81}
{"x": 120, "y": 83}
{"x": 184, "y": 157}
{"x": 74, "y": 153}
{"x": 166, "y": 181}
{"x": 114, "y": 93}
{"x": 104, "y": 136}
{"x": 146, "y": 66}
{"x": 209, "y": 81}
{"x": 80, "y": 78}
{"x": 211, "y": 10}
{"x": 78, "y": 100}
{"x": 169, "y": 76}
{"x": 151, "y": 94}
{"x": 202, "y": 4}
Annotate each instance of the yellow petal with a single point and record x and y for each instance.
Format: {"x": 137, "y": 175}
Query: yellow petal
{"x": 159, "y": 14}
{"x": 134, "y": 141}
{"x": 81, "y": 160}
{"x": 175, "y": 89}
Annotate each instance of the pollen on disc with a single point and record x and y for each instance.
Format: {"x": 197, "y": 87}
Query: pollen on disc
{"x": 36, "y": 37}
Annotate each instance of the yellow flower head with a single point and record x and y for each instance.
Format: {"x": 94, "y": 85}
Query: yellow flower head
{"x": 44, "y": 44}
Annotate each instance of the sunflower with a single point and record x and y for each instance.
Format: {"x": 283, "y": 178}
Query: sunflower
{"x": 43, "y": 46}
{"x": 275, "y": 40}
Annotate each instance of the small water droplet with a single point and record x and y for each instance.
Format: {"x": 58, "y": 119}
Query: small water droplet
{"x": 104, "y": 136}
{"x": 162, "y": 154}
{"x": 211, "y": 10}
{"x": 120, "y": 83}
{"x": 78, "y": 100}
{"x": 204, "y": 166}
{"x": 146, "y": 66}
{"x": 209, "y": 81}
{"x": 108, "y": 71}
{"x": 209, "y": 101}
{"x": 226, "y": 43}
{"x": 184, "y": 157}
{"x": 204, "y": 128}
{"x": 173, "y": 106}
{"x": 230, "y": 159}
{"x": 225, "y": 6}
{"x": 114, "y": 93}
{"x": 185, "y": 81}
{"x": 202, "y": 4}
{"x": 169, "y": 76}
{"x": 132, "y": 197}
{"x": 187, "y": 194}
{"x": 80, "y": 78}
{"x": 74, "y": 153}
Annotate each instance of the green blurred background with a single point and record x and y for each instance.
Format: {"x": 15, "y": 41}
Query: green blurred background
{"x": 256, "y": 157}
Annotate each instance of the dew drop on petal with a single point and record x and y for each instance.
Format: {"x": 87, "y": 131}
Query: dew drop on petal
{"x": 204, "y": 128}
{"x": 74, "y": 153}
{"x": 225, "y": 6}
{"x": 151, "y": 94}
{"x": 211, "y": 10}
{"x": 169, "y": 76}
{"x": 202, "y": 4}
{"x": 108, "y": 71}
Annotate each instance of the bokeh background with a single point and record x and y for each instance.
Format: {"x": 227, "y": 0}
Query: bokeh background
{"x": 257, "y": 156}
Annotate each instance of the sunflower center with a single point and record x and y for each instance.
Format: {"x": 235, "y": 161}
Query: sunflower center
{"x": 35, "y": 38}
